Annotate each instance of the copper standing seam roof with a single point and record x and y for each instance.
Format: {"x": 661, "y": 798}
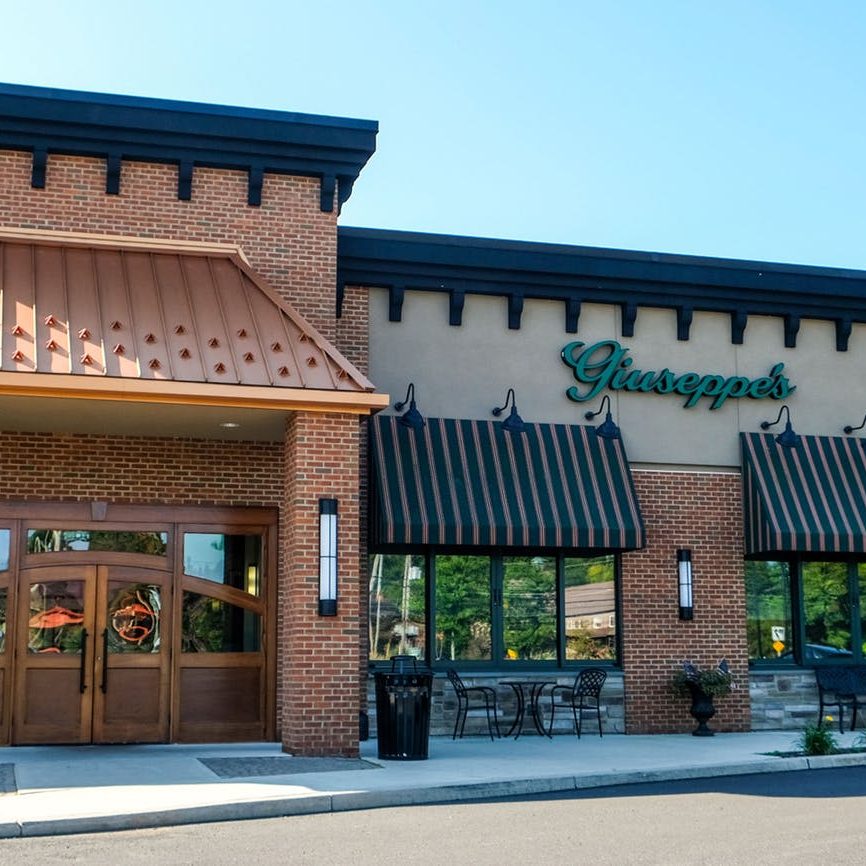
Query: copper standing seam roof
{"x": 156, "y": 311}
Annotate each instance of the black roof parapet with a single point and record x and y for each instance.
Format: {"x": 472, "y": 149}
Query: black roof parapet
{"x": 44, "y": 120}
{"x": 519, "y": 269}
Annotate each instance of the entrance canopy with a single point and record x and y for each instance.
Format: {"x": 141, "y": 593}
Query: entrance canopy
{"x": 460, "y": 482}
{"x": 131, "y": 319}
{"x": 809, "y": 498}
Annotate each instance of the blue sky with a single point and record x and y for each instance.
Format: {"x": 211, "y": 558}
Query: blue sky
{"x": 729, "y": 129}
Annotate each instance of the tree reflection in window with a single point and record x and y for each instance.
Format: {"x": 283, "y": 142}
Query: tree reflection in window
{"x": 463, "y": 613}
{"x": 214, "y": 626}
{"x": 397, "y": 605}
{"x": 529, "y": 607}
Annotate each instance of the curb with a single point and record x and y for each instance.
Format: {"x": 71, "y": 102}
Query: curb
{"x": 360, "y": 800}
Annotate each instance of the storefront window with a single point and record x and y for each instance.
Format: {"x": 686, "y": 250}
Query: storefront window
{"x": 590, "y": 608}
{"x": 214, "y": 626}
{"x": 831, "y": 599}
{"x": 827, "y": 609}
{"x": 65, "y": 540}
{"x": 463, "y": 613}
{"x": 493, "y": 610}
{"x": 232, "y": 560}
{"x": 397, "y": 606}
{"x": 5, "y": 536}
{"x": 768, "y": 610}
{"x": 529, "y": 607}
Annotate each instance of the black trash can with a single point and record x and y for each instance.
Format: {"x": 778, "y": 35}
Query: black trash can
{"x": 403, "y": 710}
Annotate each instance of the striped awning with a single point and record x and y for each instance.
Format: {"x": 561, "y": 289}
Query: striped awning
{"x": 472, "y": 483}
{"x": 811, "y": 498}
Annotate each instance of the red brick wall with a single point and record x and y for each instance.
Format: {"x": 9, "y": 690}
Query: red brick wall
{"x": 701, "y": 511}
{"x": 353, "y": 328}
{"x": 57, "y": 466}
{"x": 288, "y": 239}
{"x": 321, "y": 697}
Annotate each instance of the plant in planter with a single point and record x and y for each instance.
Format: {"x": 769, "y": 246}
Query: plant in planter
{"x": 702, "y": 686}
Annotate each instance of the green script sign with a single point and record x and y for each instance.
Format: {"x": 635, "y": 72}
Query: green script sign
{"x": 606, "y": 364}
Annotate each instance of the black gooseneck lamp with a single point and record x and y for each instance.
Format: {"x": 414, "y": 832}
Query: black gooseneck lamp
{"x": 848, "y": 429}
{"x": 513, "y": 423}
{"x": 607, "y": 429}
{"x": 787, "y": 438}
{"x": 411, "y": 418}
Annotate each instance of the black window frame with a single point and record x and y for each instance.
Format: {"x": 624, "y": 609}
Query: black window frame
{"x": 497, "y": 663}
{"x": 795, "y": 563}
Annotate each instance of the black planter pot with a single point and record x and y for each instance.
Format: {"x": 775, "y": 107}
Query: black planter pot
{"x": 702, "y": 710}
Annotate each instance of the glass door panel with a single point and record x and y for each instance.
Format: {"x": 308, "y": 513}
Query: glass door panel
{"x": 54, "y": 680}
{"x": 56, "y": 621}
{"x": 133, "y": 616}
{"x": 132, "y": 659}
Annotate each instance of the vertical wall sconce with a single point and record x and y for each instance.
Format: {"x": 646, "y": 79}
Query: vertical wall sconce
{"x": 327, "y": 557}
{"x": 684, "y": 578}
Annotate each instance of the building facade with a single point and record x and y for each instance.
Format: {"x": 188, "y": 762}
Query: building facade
{"x": 214, "y": 523}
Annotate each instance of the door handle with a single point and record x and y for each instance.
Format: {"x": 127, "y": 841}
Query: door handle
{"x": 104, "y": 684}
{"x": 82, "y": 685}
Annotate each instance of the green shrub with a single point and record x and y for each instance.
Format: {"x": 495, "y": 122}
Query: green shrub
{"x": 817, "y": 740}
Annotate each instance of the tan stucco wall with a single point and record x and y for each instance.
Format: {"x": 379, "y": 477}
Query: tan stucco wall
{"x": 462, "y": 372}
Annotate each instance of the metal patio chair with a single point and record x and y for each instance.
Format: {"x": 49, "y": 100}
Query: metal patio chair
{"x": 465, "y": 697}
{"x": 585, "y": 694}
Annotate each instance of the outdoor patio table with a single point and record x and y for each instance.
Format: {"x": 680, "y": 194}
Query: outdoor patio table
{"x": 527, "y": 692}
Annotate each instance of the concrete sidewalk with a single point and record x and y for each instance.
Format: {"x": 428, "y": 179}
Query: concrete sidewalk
{"x": 55, "y": 789}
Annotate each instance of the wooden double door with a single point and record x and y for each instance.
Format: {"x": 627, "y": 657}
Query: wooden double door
{"x": 93, "y": 655}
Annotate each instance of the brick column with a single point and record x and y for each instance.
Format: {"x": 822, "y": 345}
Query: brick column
{"x": 701, "y": 511}
{"x": 319, "y": 655}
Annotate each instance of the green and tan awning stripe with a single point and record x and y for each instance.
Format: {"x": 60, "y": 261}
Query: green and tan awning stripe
{"x": 471, "y": 483}
{"x": 811, "y": 498}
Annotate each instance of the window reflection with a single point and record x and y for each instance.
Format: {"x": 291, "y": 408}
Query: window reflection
{"x": 56, "y": 617}
{"x": 529, "y": 607}
{"x": 214, "y": 626}
{"x": 5, "y": 536}
{"x": 231, "y": 560}
{"x": 768, "y": 609}
{"x": 827, "y": 609}
{"x": 3, "y": 597}
{"x": 64, "y": 540}
{"x": 463, "y": 621}
{"x": 590, "y": 608}
{"x": 133, "y": 617}
{"x": 397, "y": 603}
